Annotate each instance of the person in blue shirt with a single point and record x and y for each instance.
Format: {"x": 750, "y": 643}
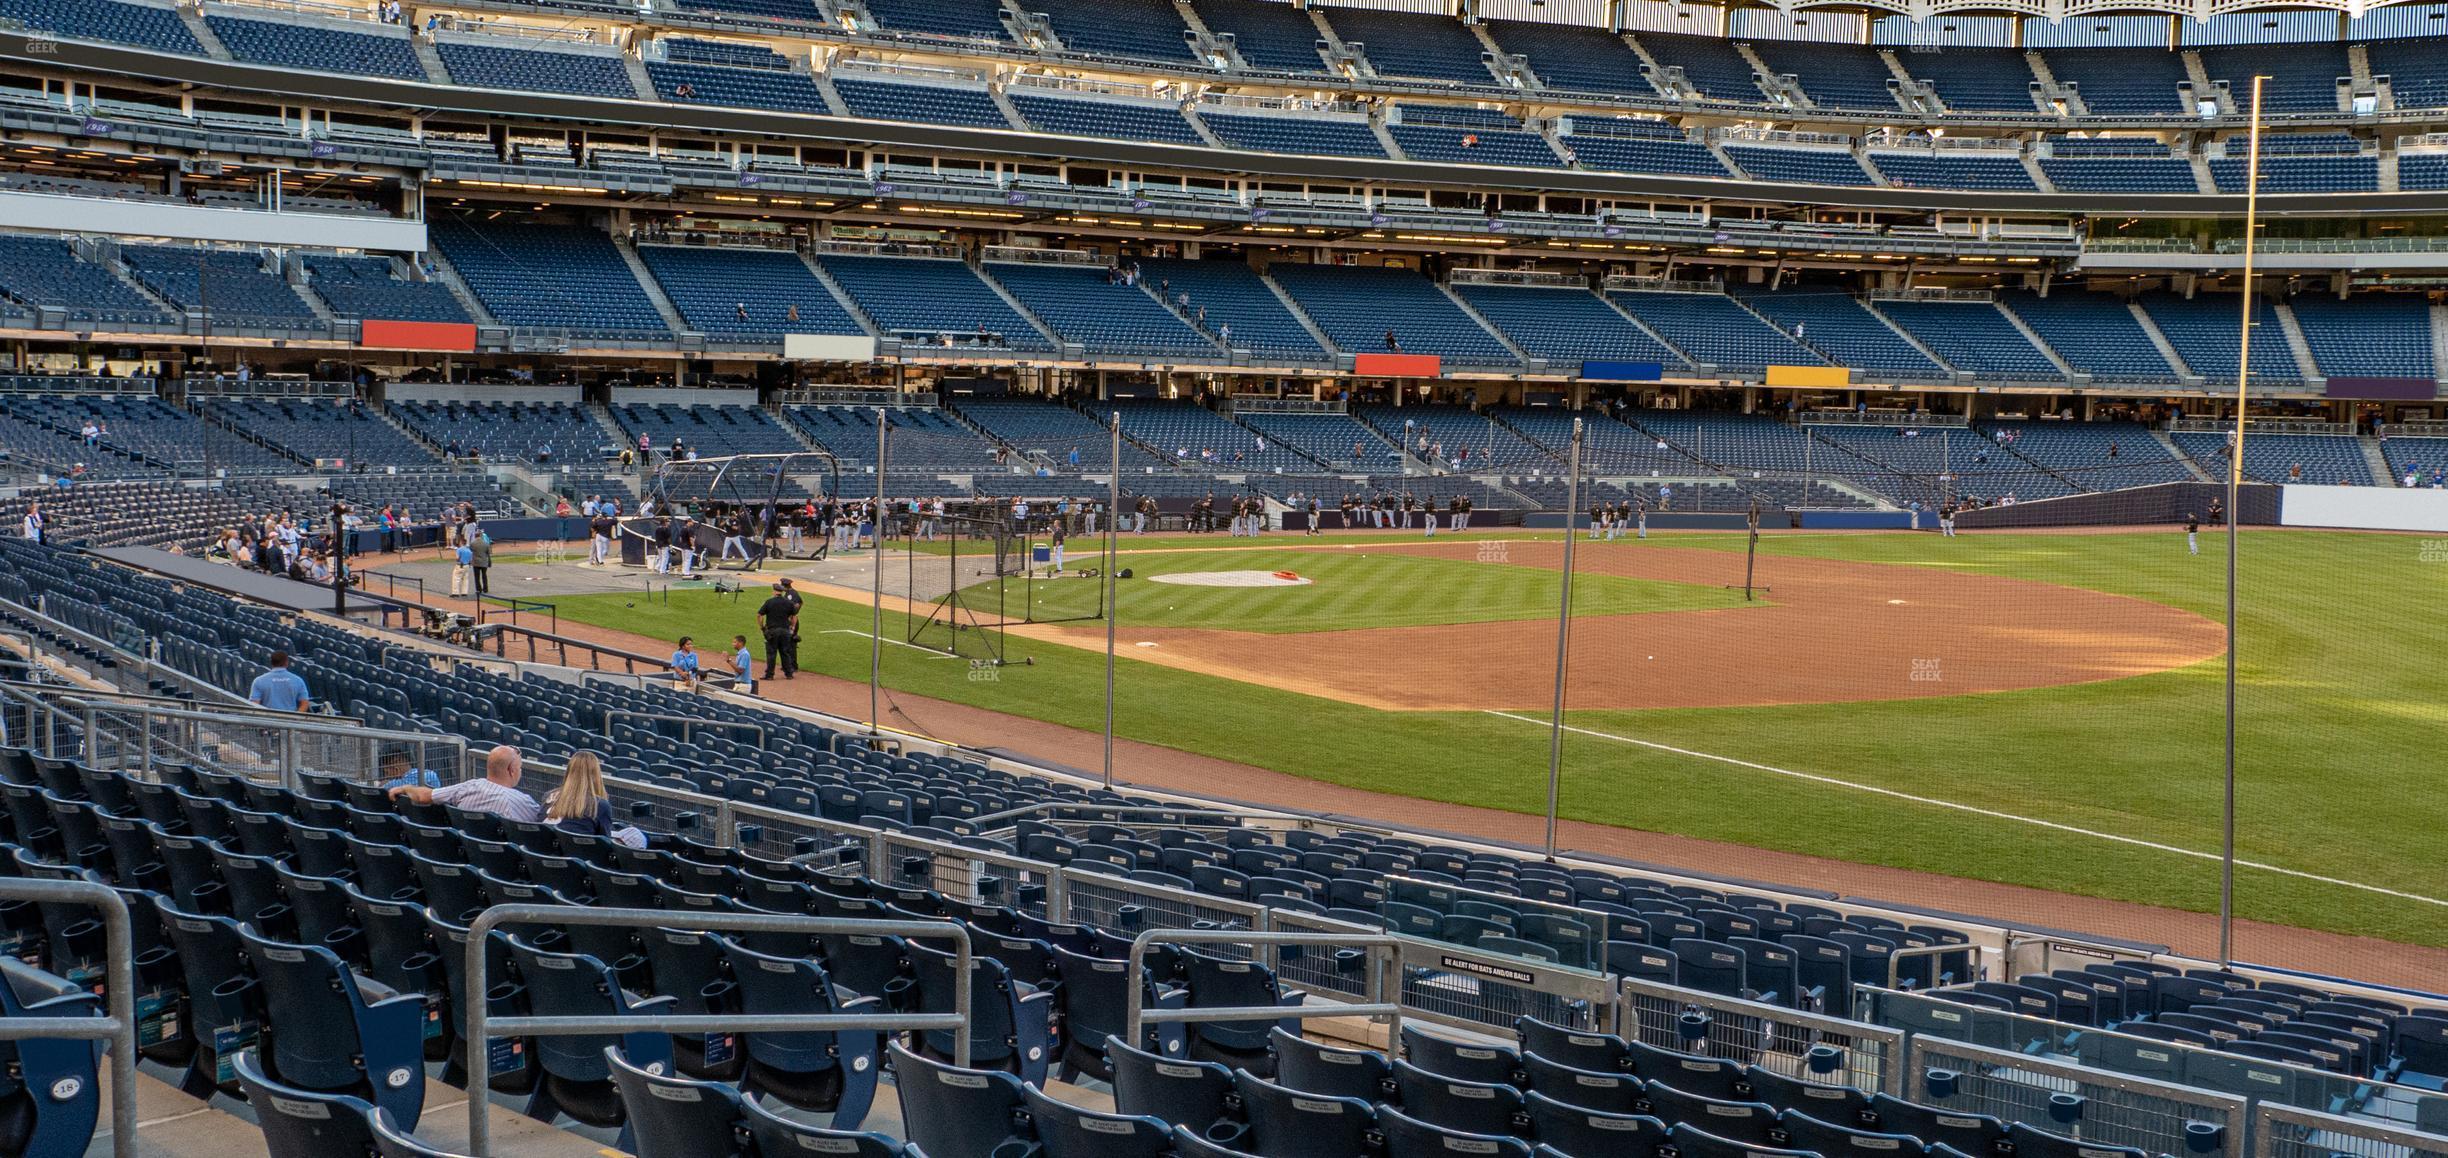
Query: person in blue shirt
{"x": 684, "y": 662}
{"x": 743, "y": 665}
{"x": 399, "y": 772}
{"x": 279, "y": 688}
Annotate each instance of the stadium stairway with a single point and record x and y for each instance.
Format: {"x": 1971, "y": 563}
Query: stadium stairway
{"x": 1026, "y": 314}
{"x": 2177, "y": 454}
{"x": 448, "y": 275}
{"x": 849, "y": 304}
{"x": 654, "y": 289}
{"x": 2291, "y": 328}
{"x": 1510, "y": 345}
{"x": 1307, "y": 323}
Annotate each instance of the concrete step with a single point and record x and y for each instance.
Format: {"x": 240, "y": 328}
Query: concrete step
{"x": 654, "y": 289}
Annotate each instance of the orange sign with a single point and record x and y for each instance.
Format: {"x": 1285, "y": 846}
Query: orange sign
{"x": 1397, "y": 365}
{"x": 459, "y": 337}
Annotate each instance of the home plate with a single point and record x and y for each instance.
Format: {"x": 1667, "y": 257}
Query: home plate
{"x": 1233, "y": 579}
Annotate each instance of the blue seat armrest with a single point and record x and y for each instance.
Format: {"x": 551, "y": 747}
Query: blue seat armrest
{"x": 1033, "y": 1026}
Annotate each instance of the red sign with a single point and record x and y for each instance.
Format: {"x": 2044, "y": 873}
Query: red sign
{"x": 458, "y": 337}
{"x": 1397, "y": 365}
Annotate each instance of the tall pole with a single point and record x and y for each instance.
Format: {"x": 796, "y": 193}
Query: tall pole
{"x": 875, "y": 634}
{"x": 1555, "y": 736}
{"x": 1113, "y": 517}
{"x": 2235, "y": 486}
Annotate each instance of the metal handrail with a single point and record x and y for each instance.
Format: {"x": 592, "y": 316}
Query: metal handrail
{"x": 118, "y": 1026}
{"x": 481, "y": 930}
{"x": 1135, "y": 1017}
{"x": 1895, "y": 960}
{"x": 686, "y": 723}
{"x": 290, "y": 725}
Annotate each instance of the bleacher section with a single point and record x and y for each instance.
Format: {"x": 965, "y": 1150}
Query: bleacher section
{"x": 2096, "y": 456}
{"x": 711, "y": 431}
{"x": 318, "y": 48}
{"x": 1833, "y": 322}
{"x": 1457, "y": 438}
{"x": 1189, "y": 433}
{"x": 1270, "y": 36}
{"x": 1833, "y": 76}
{"x": 1423, "y": 45}
{"x": 756, "y": 88}
{"x": 143, "y": 25}
{"x": 44, "y": 271}
{"x": 959, "y": 19}
{"x": 516, "y": 431}
{"x": 1803, "y": 165}
{"x": 2096, "y": 334}
{"x": 2303, "y": 77}
{"x": 746, "y": 295}
{"x": 1733, "y": 441}
{"x": 1574, "y": 59}
{"x": 1954, "y": 169}
{"x": 931, "y": 300}
{"x": 1312, "y": 136}
{"x": 232, "y": 284}
{"x": 888, "y": 100}
{"x": 1358, "y": 307}
{"x": 2370, "y": 335}
{"x": 2116, "y": 82}
{"x": 1127, "y": 29}
{"x": 921, "y": 439}
{"x": 1047, "y": 435}
{"x": 1715, "y": 330}
{"x": 141, "y": 436}
{"x": 1340, "y": 441}
{"x": 2344, "y": 171}
{"x": 1564, "y": 325}
{"x": 1123, "y": 120}
{"x": 1973, "y": 337}
{"x": 1084, "y": 305}
{"x": 551, "y": 277}
{"x": 2324, "y": 459}
{"x": 1975, "y": 80}
{"x": 1608, "y": 446}
{"x": 500, "y": 66}
{"x": 2202, "y": 330}
{"x": 1462, "y": 137}
{"x": 312, "y": 429}
{"x": 2424, "y": 458}
{"x": 366, "y": 287}
{"x": 2114, "y": 164}
{"x": 1234, "y": 296}
{"x": 1633, "y": 146}
{"x": 2417, "y": 68}
{"x": 1711, "y": 65}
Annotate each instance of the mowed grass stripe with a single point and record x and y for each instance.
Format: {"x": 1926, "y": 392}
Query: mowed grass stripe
{"x": 1349, "y": 589}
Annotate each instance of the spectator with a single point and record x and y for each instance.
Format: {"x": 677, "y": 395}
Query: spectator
{"x": 279, "y": 688}
{"x": 497, "y": 794}
{"x": 463, "y": 567}
{"x": 580, "y": 805}
{"x": 399, "y": 772}
{"x": 684, "y": 663}
{"x": 743, "y": 665}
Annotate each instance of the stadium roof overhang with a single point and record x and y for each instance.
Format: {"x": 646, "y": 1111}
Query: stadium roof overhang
{"x": 397, "y": 97}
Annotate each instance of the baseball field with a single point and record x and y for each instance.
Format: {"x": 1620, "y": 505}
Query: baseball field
{"x": 2033, "y": 709}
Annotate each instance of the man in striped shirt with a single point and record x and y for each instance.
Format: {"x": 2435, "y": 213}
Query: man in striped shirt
{"x": 497, "y": 793}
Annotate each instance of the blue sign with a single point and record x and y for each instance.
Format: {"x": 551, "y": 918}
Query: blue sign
{"x": 1496, "y": 225}
{"x": 1015, "y": 197}
{"x": 884, "y": 188}
{"x": 1258, "y": 213}
{"x": 1378, "y": 219}
{"x": 751, "y": 179}
{"x": 98, "y": 128}
{"x": 1139, "y": 203}
{"x": 1622, "y": 371}
{"x": 1612, "y": 231}
{"x": 324, "y": 149}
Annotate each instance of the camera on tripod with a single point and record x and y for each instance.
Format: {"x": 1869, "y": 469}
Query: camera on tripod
{"x": 450, "y": 627}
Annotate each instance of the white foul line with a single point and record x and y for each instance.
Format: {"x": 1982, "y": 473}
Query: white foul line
{"x": 1936, "y": 803}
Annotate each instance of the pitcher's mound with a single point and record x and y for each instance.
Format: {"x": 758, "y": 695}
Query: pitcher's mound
{"x": 1233, "y": 579}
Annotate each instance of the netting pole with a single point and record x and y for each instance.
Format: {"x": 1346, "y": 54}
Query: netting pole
{"x": 875, "y": 634}
{"x": 2235, "y": 486}
{"x": 1113, "y": 515}
{"x": 1555, "y": 736}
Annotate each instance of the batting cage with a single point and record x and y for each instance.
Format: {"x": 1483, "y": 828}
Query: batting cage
{"x": 973, "y": 576}
{"x": 735, "y": 512}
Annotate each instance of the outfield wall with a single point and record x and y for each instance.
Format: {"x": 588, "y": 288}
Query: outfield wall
{"x": 2366, "y": 508}
{"x": 2257, "y": 504}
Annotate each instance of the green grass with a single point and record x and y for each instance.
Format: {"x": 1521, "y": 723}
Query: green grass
{"x": 2341, "y": 693}
{"x": 1352, "y": 587}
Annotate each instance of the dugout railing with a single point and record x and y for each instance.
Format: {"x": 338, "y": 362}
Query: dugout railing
{"x": 2086, "y": 1104}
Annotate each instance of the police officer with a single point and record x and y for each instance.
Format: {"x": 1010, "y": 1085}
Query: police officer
{"x": 778, "y": 620}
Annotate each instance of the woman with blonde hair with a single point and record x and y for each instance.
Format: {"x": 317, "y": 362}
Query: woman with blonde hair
{"x": 580, "y": 805}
